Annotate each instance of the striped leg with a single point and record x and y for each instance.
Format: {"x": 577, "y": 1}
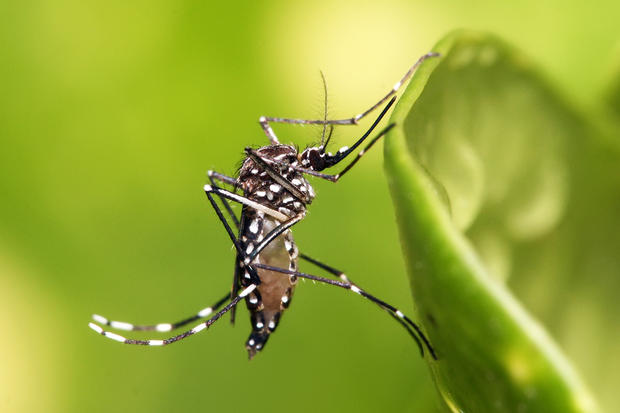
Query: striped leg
{"x": 161, "y": 327}
{"x": 181, "y": 336}
{"x": 251, "y": 251}
{"x": 330, "y": 160}
{"x": 264, "y": 120}
{"x": 213, "y": 176}
{"x": 209, "y": 189}
{"x": 326, "y": 267}
{"x": 352, "y": 287}
{"x": 250, "y": 271}
{"x": 250, "y": 255}
{"x": 344, "y": 278}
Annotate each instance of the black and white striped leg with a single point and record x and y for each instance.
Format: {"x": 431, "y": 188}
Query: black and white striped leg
{"x": 209, "y": 189}
{"x": 344, "y": 278}
{"x": 326, "y": 267}
{"x": 331, "y": 160}
{"x": 198, "y": 328}
{"x": 164, "y": 327}
{"x": 161, "y": 327}
{"x": 250, "y": 270}
{"x": 357, "y": 290}
{"x": 213, "y": 176}
{"x": 264, "y": 120}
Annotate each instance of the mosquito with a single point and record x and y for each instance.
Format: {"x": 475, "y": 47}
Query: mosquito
{"x": 275, "y": 197}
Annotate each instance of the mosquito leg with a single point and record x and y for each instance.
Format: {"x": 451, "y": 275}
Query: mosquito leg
{"x": 181, "y": 336}
{"x": 250, "y": 271}
{"x": 161, "y": 327}
{"x": 332, "y": 159}
{"x": 234, "y": 290}
{"x": 264, "y": 120}
{"x": 222, "y": 219}
{"x": 245, "y": 201}
{"x": 213, "y": 176}
{"x": 286, "y": 222}
{"x": 344, "y": 278}
{"x": 357, "y": 290}
{"x": 326, "y": 267}
{"x": 251, "y": 250}
{"x": 264, "y": 123}
{"x": 397, "y": 85}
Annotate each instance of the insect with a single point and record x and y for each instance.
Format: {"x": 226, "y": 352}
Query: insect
{"x": 275, "y": 196}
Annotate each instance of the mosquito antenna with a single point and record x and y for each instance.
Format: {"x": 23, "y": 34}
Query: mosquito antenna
{"x": 324, "y": 112}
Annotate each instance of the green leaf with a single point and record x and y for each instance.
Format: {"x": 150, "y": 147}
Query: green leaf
{"x": 478, "y": 166}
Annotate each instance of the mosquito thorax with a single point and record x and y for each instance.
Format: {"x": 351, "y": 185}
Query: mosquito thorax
{"x": 289, "y": 193}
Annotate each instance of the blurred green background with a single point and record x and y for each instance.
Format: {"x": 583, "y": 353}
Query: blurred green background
{"x": 110, "y": 115}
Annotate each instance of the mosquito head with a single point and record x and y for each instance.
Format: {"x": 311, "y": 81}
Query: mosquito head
{"x": 313, "y": 158}
{"x": 317, "y": 159}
